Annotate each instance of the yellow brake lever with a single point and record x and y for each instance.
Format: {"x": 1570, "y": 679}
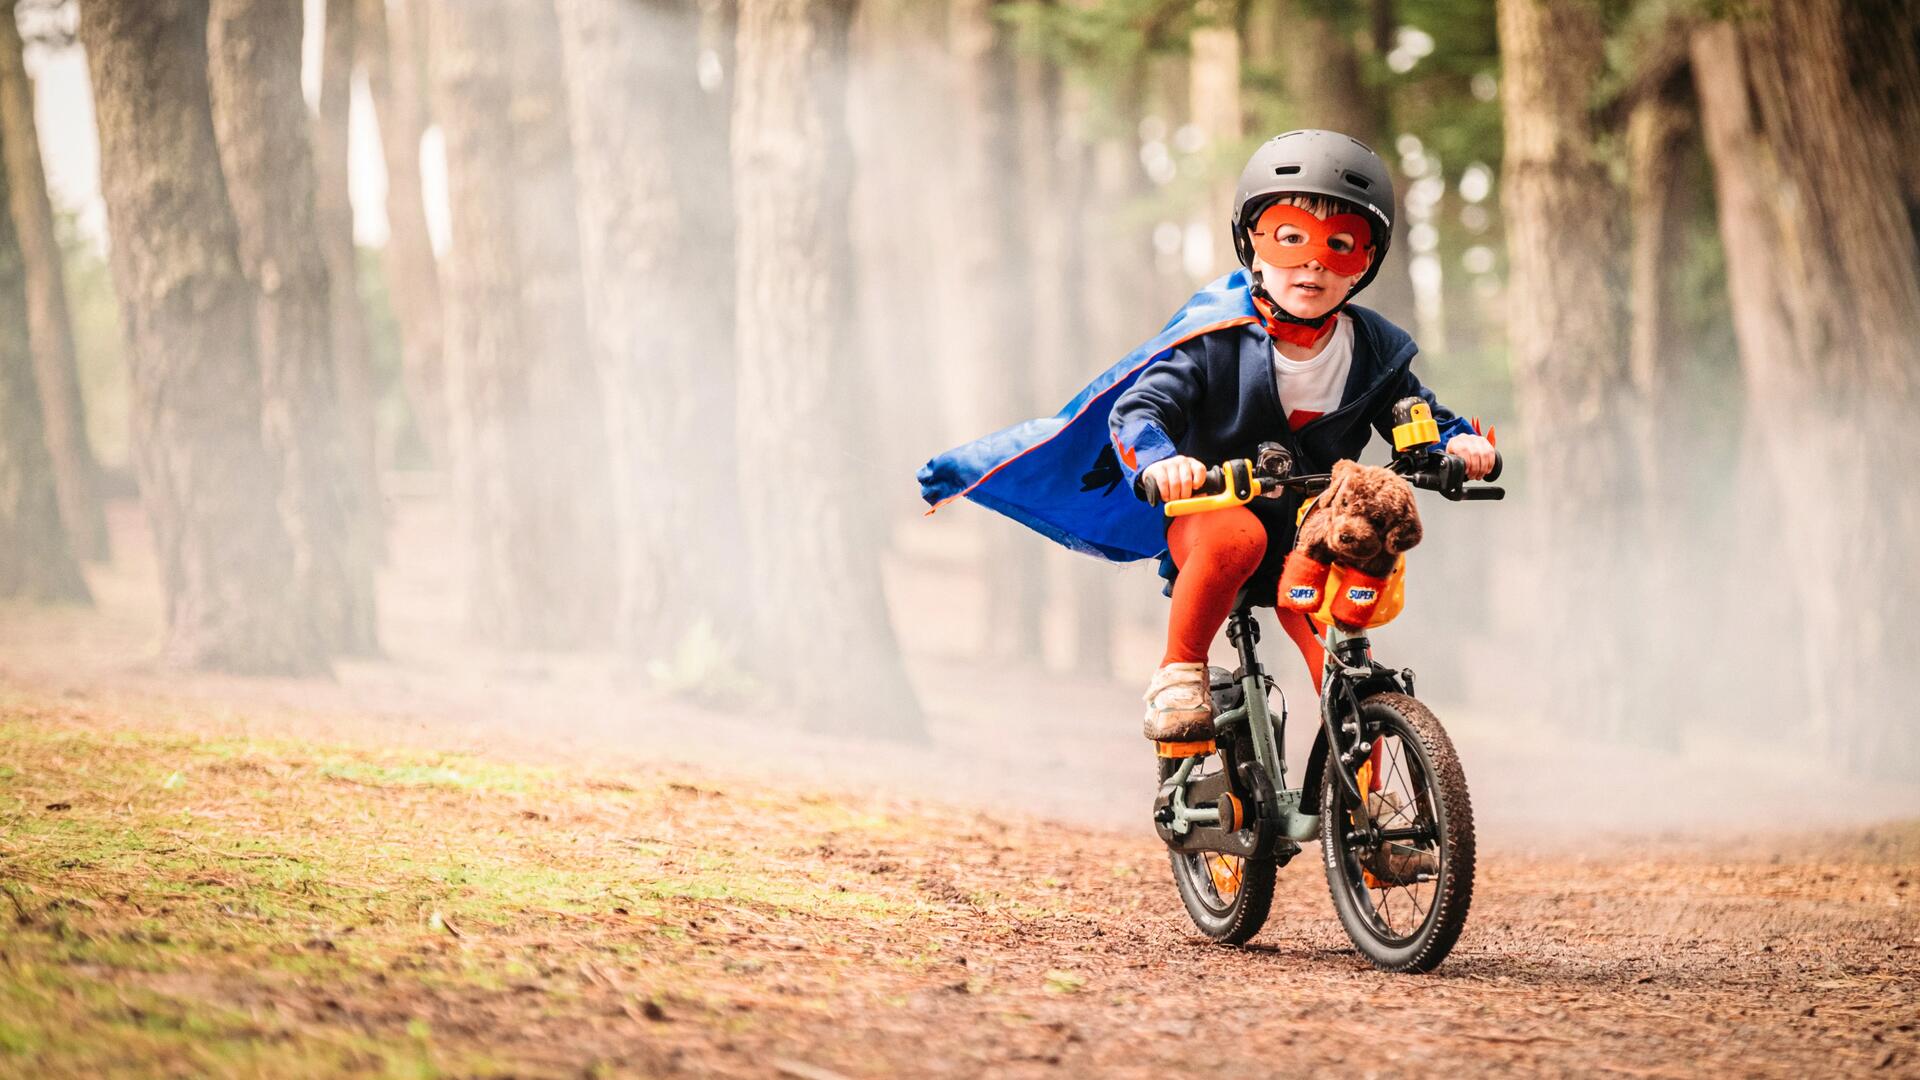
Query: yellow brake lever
{"x": 1241, "y": 487}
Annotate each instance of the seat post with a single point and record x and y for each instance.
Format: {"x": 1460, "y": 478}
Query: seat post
{"x": 1243, "y": 630}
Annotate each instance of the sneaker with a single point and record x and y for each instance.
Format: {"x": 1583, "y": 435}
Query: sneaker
{"x": 1179, "y": 705}
{"x": 1395, "y": 863}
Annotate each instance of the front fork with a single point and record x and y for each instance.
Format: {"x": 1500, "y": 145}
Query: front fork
{"x": 1349, "y": 665}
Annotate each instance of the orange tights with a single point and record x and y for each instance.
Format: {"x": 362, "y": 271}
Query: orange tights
{"x": 1217, "y": 552}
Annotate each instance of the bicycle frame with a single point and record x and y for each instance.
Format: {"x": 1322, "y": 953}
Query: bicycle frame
{"x": 1348, "y": 671}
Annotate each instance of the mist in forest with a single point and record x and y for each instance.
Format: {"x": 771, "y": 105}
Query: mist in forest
{"x": 628, "y": 454}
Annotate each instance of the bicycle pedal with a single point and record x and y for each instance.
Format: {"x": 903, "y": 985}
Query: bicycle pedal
{"x": 1183, "y": 749}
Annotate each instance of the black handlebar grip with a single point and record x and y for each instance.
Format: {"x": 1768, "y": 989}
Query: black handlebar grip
{"x": 1477, "y": 494}
{"x": 1215, "y": 483}
{"x": 1494, "y": 473}
{"x": 1144, "y": 487}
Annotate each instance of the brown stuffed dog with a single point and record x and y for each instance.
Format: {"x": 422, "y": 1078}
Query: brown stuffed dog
{"x": 1363, "y": 521}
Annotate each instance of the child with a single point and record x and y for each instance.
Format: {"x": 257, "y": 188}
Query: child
{"x": 1269, "y": 352}
{"x": 1311, "y": 225}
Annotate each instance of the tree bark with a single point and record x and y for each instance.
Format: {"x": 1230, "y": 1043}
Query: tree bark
{"x": 49, "y": 325}
{"x": 496, "y": 429}
{"x": 36, "y": 561}
{"x": 1824, "y": 280}
{"x": 391, "y": 49}
{"x": 1660, "y": 140}
{"x": 350, "y": 363}
{"x": 1326, "y": 79}
{"x": 659, "y": 277}
{"x": 996, "y": 282}
{"x": 1568, "y": 354}
{"x": 1059, "y": 174}
{"x": 799, "y": 392}
{"x": 575, "y": 499}
{"x": 260, "y": 121}
{"x": 210, "y": 485}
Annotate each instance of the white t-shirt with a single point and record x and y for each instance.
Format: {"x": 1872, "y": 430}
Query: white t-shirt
{"x": 1310, "y": 389}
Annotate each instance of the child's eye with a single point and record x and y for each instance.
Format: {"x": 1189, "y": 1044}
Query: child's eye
{"x": 1341, "y": 242}
{"x": 1292, "y": 238}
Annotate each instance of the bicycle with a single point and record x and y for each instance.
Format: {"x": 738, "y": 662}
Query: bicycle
{"x": 1394, "y": 820}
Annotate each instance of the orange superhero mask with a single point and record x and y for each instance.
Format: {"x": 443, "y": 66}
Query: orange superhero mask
{"x": 1341, "y": 242}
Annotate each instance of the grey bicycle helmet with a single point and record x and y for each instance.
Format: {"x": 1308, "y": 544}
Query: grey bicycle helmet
{"x": 1314, "y": 162}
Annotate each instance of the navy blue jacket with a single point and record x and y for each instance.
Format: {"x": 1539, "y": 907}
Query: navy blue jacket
{"x": 1214, "y": 397}
{"x": 1203, "y": 385}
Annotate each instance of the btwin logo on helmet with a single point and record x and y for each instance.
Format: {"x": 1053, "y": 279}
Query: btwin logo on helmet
{"x": 1360, "y": 594}
{"x": 1303, "y": 593}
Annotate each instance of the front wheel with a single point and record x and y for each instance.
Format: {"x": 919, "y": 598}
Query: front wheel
{"x": 1403, "y": 900}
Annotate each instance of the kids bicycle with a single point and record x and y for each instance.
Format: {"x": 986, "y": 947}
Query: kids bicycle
{"x": 1383, "y": 789}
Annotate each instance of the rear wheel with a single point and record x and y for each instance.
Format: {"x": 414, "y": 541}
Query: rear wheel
{"x": 1404, "y": 900}
{"x": 1227, "y": 896}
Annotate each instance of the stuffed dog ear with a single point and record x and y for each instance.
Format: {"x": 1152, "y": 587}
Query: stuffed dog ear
{"x": 1406, "y": 532}
{"x": 1404, "y": 536}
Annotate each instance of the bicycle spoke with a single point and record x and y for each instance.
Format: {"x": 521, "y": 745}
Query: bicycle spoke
{"x": 1403, "y": 801}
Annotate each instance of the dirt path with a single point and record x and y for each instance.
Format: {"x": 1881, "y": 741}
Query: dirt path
{"x": 188, "y": 903}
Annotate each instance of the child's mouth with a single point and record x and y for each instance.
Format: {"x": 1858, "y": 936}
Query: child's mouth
{"x": 1308, "y": 287}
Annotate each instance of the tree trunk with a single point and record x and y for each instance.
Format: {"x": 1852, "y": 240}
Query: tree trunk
{"x": 799, "y": 392}
{"x": 1216, "y": 110}
{"x": 1825, "y": 286}
{"x": 391, "y": 49}
{"x": 496, "y": 431}
{"x": 210, "y": 485}
{"x": 575, "y": 498}
{"x": 1660, "y": 138}
{"x": 76, "y": 474}
{"x": 1326, "y": 79}
{"x": 366, "y": 519}
{"x": 659, "y": 275}
{"x": 260, "y": 120}
{"x": 1568, "y": 354}
{"x": 1660, "y": 131}
{"x": 36, "y": 562}
{"x": 1059, "y": 172}
{"x": 996, "y": 274}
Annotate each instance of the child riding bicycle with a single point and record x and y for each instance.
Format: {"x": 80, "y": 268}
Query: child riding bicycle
{"x": 1311, "y": 225}
{"x": 1271, "y": 352}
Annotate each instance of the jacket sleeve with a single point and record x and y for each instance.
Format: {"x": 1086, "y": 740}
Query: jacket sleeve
{"x": 1150, "y": 418}
{"x": 1449, "y": 422}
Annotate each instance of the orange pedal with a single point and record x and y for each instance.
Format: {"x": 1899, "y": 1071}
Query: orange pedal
{"x": 1183, "y": 749}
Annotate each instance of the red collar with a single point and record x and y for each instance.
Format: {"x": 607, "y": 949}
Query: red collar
{"x": 1292, "y": 333}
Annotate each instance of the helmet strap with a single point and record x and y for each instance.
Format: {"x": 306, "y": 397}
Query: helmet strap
{"x": 1284, "y": 325}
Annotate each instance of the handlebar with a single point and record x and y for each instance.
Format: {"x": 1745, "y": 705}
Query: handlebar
{"x": 1236, "y": 482}
{"x": 1447, "y": 475}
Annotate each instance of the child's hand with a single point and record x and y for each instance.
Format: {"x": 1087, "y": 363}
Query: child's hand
{"x": 1476, "y": 451}
{"x": 1176, "y": 477}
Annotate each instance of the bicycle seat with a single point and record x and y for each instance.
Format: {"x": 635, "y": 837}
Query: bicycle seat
{"x": 1249, "y": 597}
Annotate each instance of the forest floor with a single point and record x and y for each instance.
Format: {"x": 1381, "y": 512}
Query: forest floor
{"x": 393, "y": 874}
{"x": 180, "y": 902}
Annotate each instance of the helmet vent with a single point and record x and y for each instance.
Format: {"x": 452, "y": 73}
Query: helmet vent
{"x": 1286, "y": 170}
{"x": 1358, "y": 181}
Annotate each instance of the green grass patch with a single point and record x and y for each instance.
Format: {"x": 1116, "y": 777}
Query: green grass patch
{"x": 173, "y": 905}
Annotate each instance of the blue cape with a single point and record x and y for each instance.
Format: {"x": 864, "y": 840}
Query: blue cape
{"x": 1059, "y": 475}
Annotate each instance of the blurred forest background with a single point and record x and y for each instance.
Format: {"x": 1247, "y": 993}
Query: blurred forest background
{"x": 634, "y": 320}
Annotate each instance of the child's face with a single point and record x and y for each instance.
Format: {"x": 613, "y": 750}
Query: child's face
{"x": 1293, "y": 251}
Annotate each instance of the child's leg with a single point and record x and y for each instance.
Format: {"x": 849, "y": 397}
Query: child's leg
{"x": 1216, "y": 552}
{"x": 1295, "y": 624}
